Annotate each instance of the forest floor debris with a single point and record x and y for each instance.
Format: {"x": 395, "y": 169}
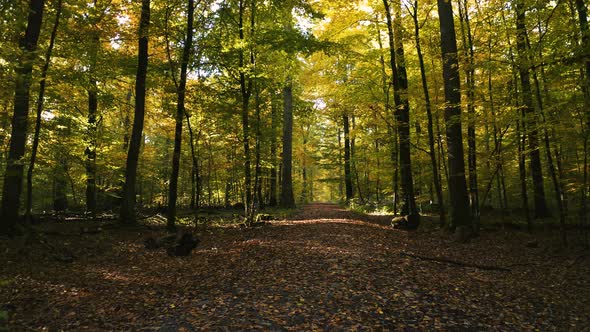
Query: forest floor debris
{"x": 322, "y": 269}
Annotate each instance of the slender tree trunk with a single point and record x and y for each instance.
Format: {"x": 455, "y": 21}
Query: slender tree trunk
{"x": 13, "y": 177}
{"x": 181, "y": 94}
{"x": 558, "y": 190}
{"x": 541, "y": 209}
{"x": 258, "y": 167}
{"x": 128, "y": 212}
{"x": 340, "y": 167}
{"x": 40, "y": 99}
{"x": 195, "y": 187}
{"x": 521, "y": 131}
{"x": 304, "y": 170}
{"x": 91, "y": 131}
{"x": 257, "y": 202}
{"x": 432, "y": 150}
{"x": 497, "y": 140}
{"x": 402, "y": 105}
{"x": 470, "y": 81}
{"x": 273, "y": 154}
{"x": 585, "y": 31}
{"x": 347, "y": 161}
{"x": 287, "y": 199}
{"x": 391, "y": 128}
{"x": 246, "y": 91}
{"x": 522, "y": 170}
{"x": 353, "y": 162}
{"x": 460, "y": 213}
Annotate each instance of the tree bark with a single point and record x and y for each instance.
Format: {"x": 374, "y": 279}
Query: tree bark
{"x": 181, "y": 95}
{"x": 195, "y": 171}
{"x": 287, "y": 199}
{"x": 460, "y": 213}
{"x": 13, "y": 177}
{"x": 402, "y": 105}
{"x": 40, "y": 99}
{"x": 471, "y": 143}
{"x": 128, "y": 212}
{"x": 246, "y": 92}
{"x": 541, "y": 209}
{"x": 92, "y": 124}
{"x": 553, "y": 172}
{"x": 273, "y": 154}
{"x": 583, "y": 17}
{"x": 304, "y": 197}
{"x": 432, "y": 150}
{"x": 347, "y": 161}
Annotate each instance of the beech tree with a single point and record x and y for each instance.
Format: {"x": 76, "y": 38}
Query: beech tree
{"x": 459, "y": 213}
{"x": 13, "y": 176}
{"x": 128, "y": 210}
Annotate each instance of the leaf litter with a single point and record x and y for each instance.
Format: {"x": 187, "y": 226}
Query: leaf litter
{"x": 323, "y": 269}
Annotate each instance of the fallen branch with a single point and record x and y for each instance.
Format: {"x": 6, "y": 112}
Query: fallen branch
{"x": 458, "y": 263}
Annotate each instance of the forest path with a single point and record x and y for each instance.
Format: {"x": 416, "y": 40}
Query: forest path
{"x": 323, "y": 269}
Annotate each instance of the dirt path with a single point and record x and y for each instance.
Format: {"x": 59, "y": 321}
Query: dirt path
{"x": 325, "y": 269}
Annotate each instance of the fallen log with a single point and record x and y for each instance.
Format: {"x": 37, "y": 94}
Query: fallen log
{"x": 458, "y": 263}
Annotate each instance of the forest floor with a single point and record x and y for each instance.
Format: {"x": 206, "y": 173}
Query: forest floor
{"x": 324, "y": 268}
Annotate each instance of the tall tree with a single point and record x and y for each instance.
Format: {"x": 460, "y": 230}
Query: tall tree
{"x": 347, "y": 159}
{"x": 287, "y": 199}
{"x": 92, "y": 119}
{"x": 470, "y": 82}
{"x": 402, "y": 107}
{"x": 180, "y": 94}
{"x": 128, "y": 213}
{"x": 541, "y": 209}
{"x": 585, "y": 31}
{"x": 273, "y": 152}
{"x": 40, "y": 100}
{"x": 428, "y": 106}
{"x": 460, "y": 214}
{"x": 13, "y": 177}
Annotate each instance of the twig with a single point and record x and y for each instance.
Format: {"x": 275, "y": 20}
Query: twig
{"x": 453, "y": 262}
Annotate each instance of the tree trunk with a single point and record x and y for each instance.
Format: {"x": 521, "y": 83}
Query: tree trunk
{"x": 553, "y": 172}
{"x": 583, "y": 17}
{"x": 304, "y": 170}
{"x": 432, "y": 150}
{"x": 287, "y": 199}
{"x": 541, "y": 210}
{"x": 40, "y": 99}
{"x": 340, "y": 166}
{"x": 128, "y": 213}
{"x": 273, "y": 154}
{"x": 181, "y": 94}
{"x": 13, "y": 177}
{"x": 402, "y": 112}
{"x": 246, "y": 91}
{"x": 257, "y": 202}
{"x": 460, "y": 213}
{"x": 258, "y": 167}
{"x": 92, "y": 127}
{"x": 353, "y": 163}
{"x": 195, "y": 174}
{"x": 470, "y": 81}
{"x": 347, "y": 163}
